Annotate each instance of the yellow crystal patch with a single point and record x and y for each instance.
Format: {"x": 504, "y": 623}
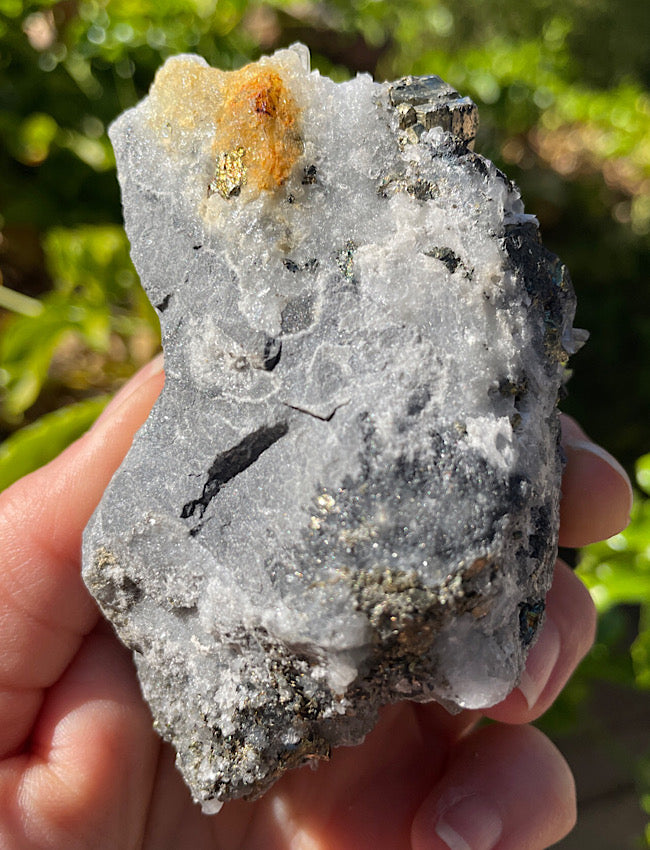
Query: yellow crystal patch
{"x": 255, "y": 120}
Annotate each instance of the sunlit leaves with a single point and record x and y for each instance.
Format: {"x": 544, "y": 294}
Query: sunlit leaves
{"x": 35, "y": 136}
{"x": 42, "y": 441}
{"x": 95, "y": 297}
{"x": 617, "y": 571}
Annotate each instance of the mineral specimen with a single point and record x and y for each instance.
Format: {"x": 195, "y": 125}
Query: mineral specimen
{"x": 348, "y": 492}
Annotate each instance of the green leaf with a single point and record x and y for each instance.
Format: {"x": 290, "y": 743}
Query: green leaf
{"x": 35, "y": 137}
{"x": 11, "y": 8}
{"x": 26, "y": 349}
{"x": 617, "y": 572}
{"x": 89, "y": 263}
{"x": 18, "y": 302}
{"x": 38, "y": 443}
{"x": 96, "y": 294}
{"x": 643, "y": 473}
{"x": 641, "y": 650}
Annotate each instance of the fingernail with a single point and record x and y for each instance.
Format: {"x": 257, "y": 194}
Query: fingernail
{"x": 470, "y": 824}
{"x": 601, "y": 453}
{"x": 154, "y": 367}
{"x": 541, "y": 661}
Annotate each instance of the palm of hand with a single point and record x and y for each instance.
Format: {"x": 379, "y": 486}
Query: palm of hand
{"x": 80, "y": 766}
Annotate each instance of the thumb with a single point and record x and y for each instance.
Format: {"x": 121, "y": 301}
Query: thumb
{"x": 80, "y": 475}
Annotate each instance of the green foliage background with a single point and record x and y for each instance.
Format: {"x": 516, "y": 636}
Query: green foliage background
{"x": 563, "y": 88}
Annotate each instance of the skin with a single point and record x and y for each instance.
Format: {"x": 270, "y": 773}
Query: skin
{"x": 80, "y": 766}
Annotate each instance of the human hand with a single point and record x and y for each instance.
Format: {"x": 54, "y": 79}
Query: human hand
{"x": 82, "y": 769}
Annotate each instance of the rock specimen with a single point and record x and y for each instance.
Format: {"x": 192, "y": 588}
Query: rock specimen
{"x": 348, "y": 492}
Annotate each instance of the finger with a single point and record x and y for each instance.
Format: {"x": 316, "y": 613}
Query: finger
{"x": 566, "y": 636}
{"x": 93, "y": 753}
{"x": 437, "y": 723}
{"x": 44, "y": 607}
{"x": 43, "y": 602}
{"x": 364, "y": 798}
{"x": 596, "y": 491}
{"x": 175, "y": 821}
{"x": 505, "y": 787}
{"x": 153, "y": 369}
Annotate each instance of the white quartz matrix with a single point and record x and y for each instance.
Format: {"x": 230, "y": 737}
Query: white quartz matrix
{"x": 348, "y": 491}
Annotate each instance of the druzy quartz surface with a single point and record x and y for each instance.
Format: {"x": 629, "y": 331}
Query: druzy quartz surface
{"x": 348, "y": 492}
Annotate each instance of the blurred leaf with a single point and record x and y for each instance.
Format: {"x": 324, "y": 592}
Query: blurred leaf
{"x": 11, "y": 8}
{"x": 40, "y": 442}
{"x": 641, "y": 650}
{"x": 96, "y": 294}
{"x": 36, "y": 134}
{"x": 643, "y": 473}
{"x": 26, "y": 349}
{"x": 90, "y": 263}
{"x": 16, "y": 302}
{"x": 617, "y": 572}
